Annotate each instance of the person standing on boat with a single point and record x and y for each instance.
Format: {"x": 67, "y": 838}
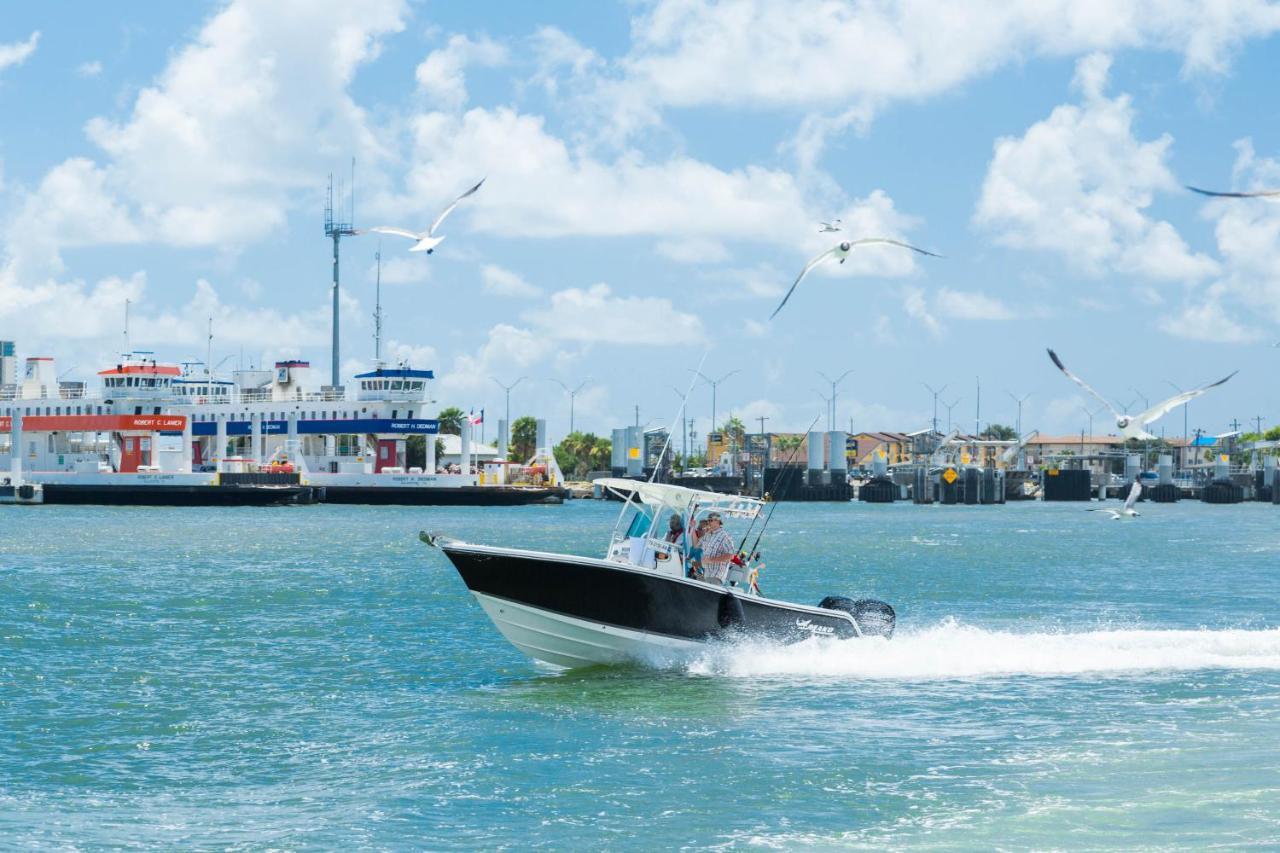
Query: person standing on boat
{"x": 717, "y": 549}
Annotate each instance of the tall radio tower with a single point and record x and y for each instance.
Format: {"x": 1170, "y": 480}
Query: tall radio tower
{"x": 337, "y": 229}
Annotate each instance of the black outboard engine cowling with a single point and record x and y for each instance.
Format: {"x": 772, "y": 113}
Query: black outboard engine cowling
{"x": 874, "y": 618}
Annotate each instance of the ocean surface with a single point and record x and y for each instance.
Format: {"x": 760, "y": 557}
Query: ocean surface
{"x": 315, "y": 677}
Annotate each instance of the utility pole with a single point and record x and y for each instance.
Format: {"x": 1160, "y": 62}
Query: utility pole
{"x": 1235, "y": 424}
{"x": 713, "y": 383}
{"x": 935, "y": 393}
{"x": 977, "y": 409}
{"x": 1257, "y": 419}
{"x": 637, "y": 415}
{"x": 831, "y": 421}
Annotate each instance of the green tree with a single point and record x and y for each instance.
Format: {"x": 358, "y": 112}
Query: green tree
{"x": 999, "y": 432}
{"x": 734, "y": 427}
{"x": 581, "y": 452}
{"x": 451, "y": 420}
{"x": 415, "y": 450}
{"x": 524, "y": 439}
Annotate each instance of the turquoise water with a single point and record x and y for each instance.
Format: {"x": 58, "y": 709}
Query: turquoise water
{"x": 316, "y": 677}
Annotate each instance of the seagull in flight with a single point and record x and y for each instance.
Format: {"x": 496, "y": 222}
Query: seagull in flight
{"x": 427, "y": 240}
{"x": 1135, "y": 426}
{"x": 1271, "y": 195}
{"x": 841, "y": 251}
{"x": 1127, "y": 511}
{"x": 834, "y": 225}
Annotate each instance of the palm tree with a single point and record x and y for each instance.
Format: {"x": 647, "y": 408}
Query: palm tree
{"x": 524, "y": 439}
{"x": 451, "y": 420}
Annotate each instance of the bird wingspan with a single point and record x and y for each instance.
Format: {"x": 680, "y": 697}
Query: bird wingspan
{"x": 1076, "y": 379}
{"x": 804, "y": 272}
{"x": 434, "y": 225}
{"x": 1255, "y": 194}
{"x": 1133, "y": 495}
{"x": 1160, "y": 409}
{"x": 866, "y": 240}
{"x": 399, "y": 232}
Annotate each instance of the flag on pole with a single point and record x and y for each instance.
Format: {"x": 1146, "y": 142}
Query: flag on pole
{"x": 474, "y": 419}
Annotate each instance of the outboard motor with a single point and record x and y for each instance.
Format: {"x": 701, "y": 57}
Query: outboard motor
{"x": 874, "y": 618}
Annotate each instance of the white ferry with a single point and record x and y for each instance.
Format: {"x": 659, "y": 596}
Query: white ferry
{"x": 165, "y": 433}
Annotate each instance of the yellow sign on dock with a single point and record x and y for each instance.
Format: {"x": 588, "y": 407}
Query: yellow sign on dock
{"x": 949, "y": 475}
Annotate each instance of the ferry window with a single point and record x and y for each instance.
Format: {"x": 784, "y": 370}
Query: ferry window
{"x": 157, "y": 411}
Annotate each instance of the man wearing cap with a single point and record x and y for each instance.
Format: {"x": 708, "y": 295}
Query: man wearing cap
{"x": 717, "y": 549}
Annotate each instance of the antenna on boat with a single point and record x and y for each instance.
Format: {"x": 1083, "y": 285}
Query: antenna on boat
{"x": 786, "y": 469}
{"x": 208, "y": 357}
{"x": 127, "y": 349}
{"x": 377, "y": 310}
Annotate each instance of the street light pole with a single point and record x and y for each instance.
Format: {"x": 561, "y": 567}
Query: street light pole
{"x": 949, "y": 407}
{"x": 713, "y": 383}
{"x": 506, "y": 439}
{"x": 831, "y": 423}
{"x": 572, "y": 393}
{"x": 1019, "y": 401}
{"x": 935, "y": 393}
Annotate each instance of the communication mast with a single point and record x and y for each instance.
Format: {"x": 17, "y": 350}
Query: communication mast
{"x": 337, "y": 229}
{"x": 377, "y": 311}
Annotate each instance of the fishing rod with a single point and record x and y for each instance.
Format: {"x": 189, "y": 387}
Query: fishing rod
{"x": 785, "y": 471}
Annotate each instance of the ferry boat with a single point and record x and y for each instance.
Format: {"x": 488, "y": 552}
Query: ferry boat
{"x": 168, "y": 433}
{"x": 639, "y": 601}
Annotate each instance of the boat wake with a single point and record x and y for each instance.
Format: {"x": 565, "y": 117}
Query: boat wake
{"x": 954, "y": 650}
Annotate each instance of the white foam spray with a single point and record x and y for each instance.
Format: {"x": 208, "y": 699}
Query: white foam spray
{"x": 953, "y": 650}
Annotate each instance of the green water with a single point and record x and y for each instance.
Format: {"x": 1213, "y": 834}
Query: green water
{"x": 314, "y": 677}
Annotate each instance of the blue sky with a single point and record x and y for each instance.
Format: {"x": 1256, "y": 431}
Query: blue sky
{"x": 656, "y": 172}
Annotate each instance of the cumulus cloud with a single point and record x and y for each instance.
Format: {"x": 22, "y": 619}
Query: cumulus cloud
{"x": 594, "y": 315}
{"x": 1079, "y": 183}
{"x": 16, "y": 53}
{"x": 217, "y": 148}
{"x": 839, "y": 56}
{"x": 441, "y": 76}
{"x": 89, "y": 69}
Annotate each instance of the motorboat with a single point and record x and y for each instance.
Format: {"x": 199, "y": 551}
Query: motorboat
{"x": 643, "y": 601}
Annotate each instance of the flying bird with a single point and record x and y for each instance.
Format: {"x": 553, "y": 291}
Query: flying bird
{"x": 841, "y": 251}
{"x": 1135, "y": 426}
{"x": 1127, "y": 511}
{"x": 829, "y": 226}
{"x": 1268, "y": 194}
{"x": 427, "y": 240}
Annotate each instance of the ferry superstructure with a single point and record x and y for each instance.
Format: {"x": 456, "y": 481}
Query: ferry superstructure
{"x": 158, "y": 427}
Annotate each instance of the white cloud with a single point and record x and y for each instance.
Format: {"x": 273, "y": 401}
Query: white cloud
{"x": 555, "y": 50}
{"x": 917, "y": 307}
{"x": 16, "y": 53}
{"x": 595, "y": 315}
{"x": 840, "y": 55}
{"x": 89, "y": 69}
{"x": 540, "y": 187}
{"x": 1207, "y": 321}
{"x": 441, "y": 76}
{"x": 693, "y": 251}
{"x": 402, "y": 269}
{"x": 961, "y": 305}
{"x": 1079, "y": 183}
{"x": 216, "y": 150}
{"x": 504, "y": 282}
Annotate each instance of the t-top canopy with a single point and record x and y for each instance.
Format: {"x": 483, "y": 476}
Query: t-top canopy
{"x": 682, "y": 498}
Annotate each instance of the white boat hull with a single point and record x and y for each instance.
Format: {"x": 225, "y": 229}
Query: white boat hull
{"x": 570, "y": 642}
